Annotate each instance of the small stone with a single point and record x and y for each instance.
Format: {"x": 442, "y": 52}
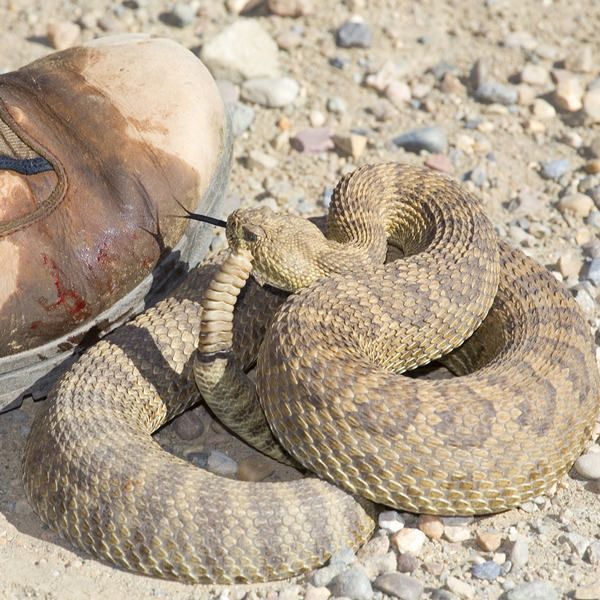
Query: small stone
{"x": 390, "y": 521}
{"x": 490, "y": 92}
{"x": 181, "y": 15}
{"x": 443, "y": 595}
{"x": 316, "y": 118}
{"x": 452, "y": 85}
{"x": 589, "y": 592}
{"x": 456, "y": 534}
{"x": 397, "y": 92}
{"x": 353, "y": 584}
{"x": 593, "y": 166}
{"x": 22, "y": 507}
{"x": 568, "y": 265}
{"x": 585, "y": 301}
{"x": 520, "y": 39}
{"x": 533, "y": 590}
{"x": 188, "y": 426}
{"x": 323, "y": 577}
{"x": 431, "y": 526}
{"x": 478, "y": 175}
{"x": 542, "y": 109}
{"x": 568, "y": 94}
{"x": 461, "y": 588}
{"x": 272, "y": 92}
{"x": 241, "y": 6}
{"x": 255, "y": 468}
{"x": 519, "y": 553}
{"x": 313, "y": 140}
{"x": 407, "y": 563}
{"x": 535, "y": 75}
{"x": 354, "y": 35}
{"x": 489, "y": 541}
{"x": 577, "y": 542}
{"x": 107, "y": 23}
{"x": 374, "y": 547}
{"x": 261, "y": 161}
{"x": 288, "y": 40}
{"x": 399, "y": 585}
{"x": 439, "y": 162}
{"x": 290, "y": 8}
{"x": 581, "y": 61}
{"x": 478, "y": 74}
{"x": 593, "y": 553}
{"x": 556, "y": 169}
{"x": 595, "y": 147}
{"x": 581, "y": 205}
{"x": 409, "y": 540}
{"x": 433, "y": 139}
{"x": 63, "y": 34}
{"x": 591, "y": 105}
{"x": 242, "y": 50}
{"x": 337, "y": 105}
{"x": 242, "y": 117}
{"x": 488, "y": 570}
{"x": 222, "y": 464}
{"x": 344, "y": 556}
{"x": 317, "y": 593}
{"x": 526, "y": 94}
{"x": 382, "y": 563}
{"x": 588, "y": 465}
{"x": 353, "y": 145}
{"x": 384, "y": 110}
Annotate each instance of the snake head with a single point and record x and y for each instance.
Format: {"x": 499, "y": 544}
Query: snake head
{"x": 284, "y": 247}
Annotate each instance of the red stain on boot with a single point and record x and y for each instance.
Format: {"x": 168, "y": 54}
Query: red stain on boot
{"x": 69, "y": 299}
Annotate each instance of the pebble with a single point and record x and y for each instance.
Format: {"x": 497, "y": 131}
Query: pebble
{"x": 288, "y": 40}
{"x": 353, "y": 584}
{"x": 323, "y": 577}
{"x": 316, "y": 118}
{"x": 255, "y": 468}
{"x": 107, "y": 23}
{"x": 222, "y": 464}
{"x": 432, "y": 138}
{"x": 456, "y": 534}
{"x": 374, "y": 547}
{"x": 581, "y": 205}
{"x": 242, "y": 116}
{"x": 461, "y": 588}
{"x": 181, "y": 15}
{"x": 595, "y": 147}
{"x": 242, "y": 50}
{"x": 382, "y": 563}
{"x": 431, "y": 526}
{"x": 588, "y": 465}
{"x": 313, "y": 140}
{"x": 337, "y": 105}
{"x": 542, "y": 109}
{"x": 593, "y": 166}
{"x": 290, "y": 8}
{"x": 340, "y": 62}
{"x": 188, "y": 426}
{"x": 63, "y": 34}
{"x": 354, "y": 35}
{"x": 568, "y": 94}
{"x": 317, "y": 593}
{"x": 409, "y": 540}
{"x": 443, "y": 595}
{"x": 520, "y": 39}
{"x": 344, "y": 556}
{"x": 585, "y": 301}
{"x": 272, "y": 92}
{"x": 439, "y": 162}
{"x": 399, "y": 585}
{"x": 568, "y": 265}
{"x": 397, "y": 92}
{"x": 535, "y": 75}
{"x": 593, "y": 553}
{"x": 353, "y": 145}
{"x": 390, "y": 521}
{"x": 591, "y": 105}
{"x": 589, "y": 592}
{"x": 577, "y": 542}
{"x": 489, "y": 570}
{"x": 581, "y": 61}
{"x": 533, "y": 590}
{"x": 478, "y": 73}
{"x": 526, "y": 94}
{"x": 519, "y": 553}
{"x": 261, "y": 161}
{"x": 22, "y": 507}
{"x": 478, "y": 175}
{"x": 489, "y": 541}
{"x": 556, "y": 169}
{"x": 407, "y": 563}
{"x": 490, "y": 92}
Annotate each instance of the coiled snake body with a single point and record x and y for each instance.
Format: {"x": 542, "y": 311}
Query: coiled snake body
{"x": 329, "y": 383}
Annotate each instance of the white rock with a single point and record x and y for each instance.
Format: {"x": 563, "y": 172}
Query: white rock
{"x": 391, "y": 521}
{"x": 242, "y": 50}
{"x": 588, "y": 465}
{"x": 272, "y": 92}
{"x": 261, "y": 160}
{"x": 591, "y": 105}
{"x": 456, "y": 534}
{"x": 542, "y": 109}
{"x": 461, "y": 588}
{"x": 316, "y": 118}
{"x": 63, "y": 34}
{"x": 409, "y": 540}
{"x": 535, "y": 75}
{"x": 568, "y": 94}
{"x": 581, "y": 205}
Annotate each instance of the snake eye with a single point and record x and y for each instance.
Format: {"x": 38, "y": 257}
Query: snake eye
{"x": 249, "y": 236}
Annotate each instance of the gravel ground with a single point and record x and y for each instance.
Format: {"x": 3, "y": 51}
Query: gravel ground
{"x": 509, "y": 92}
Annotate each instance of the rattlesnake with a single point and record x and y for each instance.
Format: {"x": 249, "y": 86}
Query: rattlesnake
{"x": 329, "y": 385}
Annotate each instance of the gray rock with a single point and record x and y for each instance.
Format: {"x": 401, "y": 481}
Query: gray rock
{"x": 402, "y": 586}
{"x": 324, "y": 576}
{"x": 272, "y": 92}
{"x": 519, "y": 553}
{"x": 354, "y": 35}
{"x": 241, "y": 51}
{"x": 488, "y": 570}
{"x": 182, "y": 15}
{"x": 442, "y": 68}
{"x": 444, "y": 595}
{"x": 220, "y": 463}
{"x": 382, "y": 563}
{"x": 534, "y": 590}
{"x": 497, "y": 93}
{"x": 593, "y": 219}
{"x": 556, "y": 169}
{"x": 578, "y": 543}
{"x": 337, "y": 105}
{"x": 433, "y": 139}
{"x": 313, "y": 140}
{"x": 344, "y": 556}
{"x": 408, "y": 562}
{"x": 242, "y": 117}
{"x": 353, "y": 583}
{"x": 478, "y": 175}
{"x": 594, "y": 276}
{"x": 188, "y": 426}
{"x": 391, "y": 521}
{"x": 593, "y": 553}
{"x": 588, "y": 306}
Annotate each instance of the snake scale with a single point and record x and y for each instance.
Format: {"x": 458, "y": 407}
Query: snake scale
{"x": 329, "y": 361}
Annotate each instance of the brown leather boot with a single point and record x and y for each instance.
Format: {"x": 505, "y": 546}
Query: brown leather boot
{"x": 100, "y": 148}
